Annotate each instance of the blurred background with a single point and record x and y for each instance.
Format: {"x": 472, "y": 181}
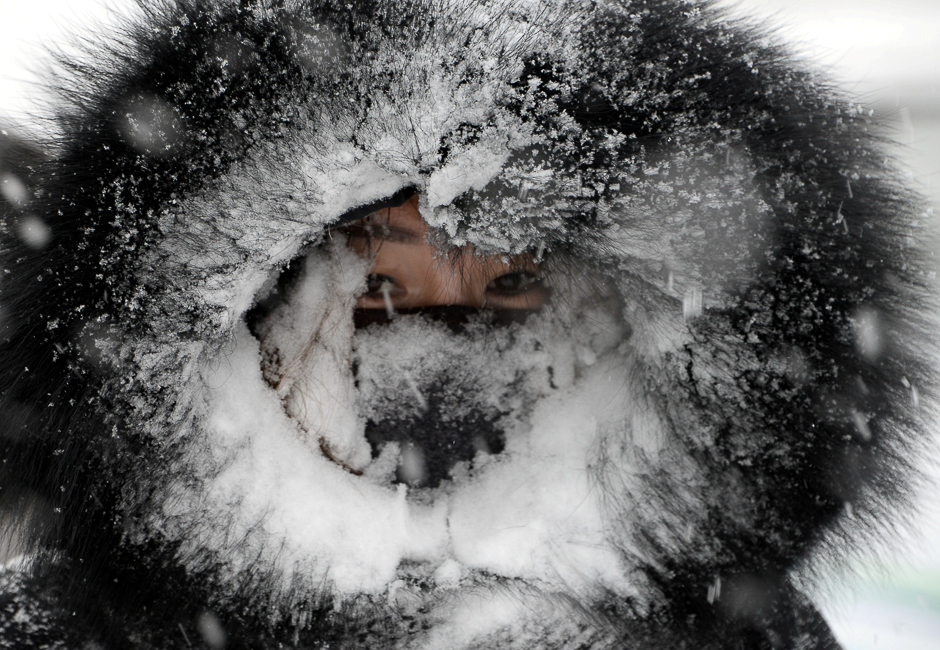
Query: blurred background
{"x": 886, "y": 52}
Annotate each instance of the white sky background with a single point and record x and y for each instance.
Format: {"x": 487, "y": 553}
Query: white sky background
{"x": 875, "y": 47}
{"x": 27, "y": 28}
{"x": 886, "y": 51}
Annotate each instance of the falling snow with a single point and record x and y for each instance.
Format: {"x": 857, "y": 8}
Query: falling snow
{"x": 713, "y": 386}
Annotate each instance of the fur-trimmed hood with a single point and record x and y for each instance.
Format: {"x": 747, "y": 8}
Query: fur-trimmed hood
{"x": 732, "y": 359}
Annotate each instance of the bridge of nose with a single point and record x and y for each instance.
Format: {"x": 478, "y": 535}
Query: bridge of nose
{"x": 447, "y": 283}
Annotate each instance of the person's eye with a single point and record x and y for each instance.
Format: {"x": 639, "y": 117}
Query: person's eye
{"x": 378, "y": 284}
{"x": 513, "y": 284}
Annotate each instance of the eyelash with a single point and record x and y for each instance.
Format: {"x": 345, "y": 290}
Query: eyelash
{"x": 523, "y": 282}
{"x": 375, "y": 283}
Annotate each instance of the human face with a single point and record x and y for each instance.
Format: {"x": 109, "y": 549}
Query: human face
{"x": 408, "y": 271}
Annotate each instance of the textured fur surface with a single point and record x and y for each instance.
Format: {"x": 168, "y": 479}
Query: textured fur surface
{"x": 726, "y": 246}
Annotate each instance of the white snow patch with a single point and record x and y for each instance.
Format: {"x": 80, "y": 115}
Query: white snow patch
{"x": 474, "y": 170}
{"x": 538, "y": 512}
{"x": 288, "y": 505}
{"x": 315, "y": 334}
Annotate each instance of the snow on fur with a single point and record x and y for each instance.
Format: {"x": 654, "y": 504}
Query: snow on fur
{"x": 735, "y": 329}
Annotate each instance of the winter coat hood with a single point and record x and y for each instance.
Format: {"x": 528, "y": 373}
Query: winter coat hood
{"x": 732, "y": 356}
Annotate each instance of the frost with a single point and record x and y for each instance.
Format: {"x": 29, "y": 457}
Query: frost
{"x": 478, "y": 370}
{"x": 232, "y": 54}
{"x": 320, "y": 48}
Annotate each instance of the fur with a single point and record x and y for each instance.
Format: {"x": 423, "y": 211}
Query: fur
{"x": 732, "y": 220}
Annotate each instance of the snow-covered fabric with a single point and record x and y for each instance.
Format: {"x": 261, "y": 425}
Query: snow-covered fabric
{"x": 721, "y": 396}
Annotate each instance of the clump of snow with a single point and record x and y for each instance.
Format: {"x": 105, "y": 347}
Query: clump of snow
{"x": 285, "y": 504}
{"x": 312, "y": 333}
{"x": 475, "y": 169}
{"x": 537, "y": 512}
